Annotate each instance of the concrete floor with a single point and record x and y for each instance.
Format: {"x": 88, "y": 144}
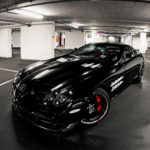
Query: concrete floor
{"x": 126, "y": 127}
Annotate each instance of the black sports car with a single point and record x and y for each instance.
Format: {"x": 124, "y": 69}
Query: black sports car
{"x": 75, "y": 88}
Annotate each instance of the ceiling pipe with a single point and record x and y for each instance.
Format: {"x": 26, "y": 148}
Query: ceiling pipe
{"x": 106, "y": 20}
{"x": 28, "y": 24}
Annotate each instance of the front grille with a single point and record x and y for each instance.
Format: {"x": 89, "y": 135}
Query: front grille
{"x": 47, "y": 120}
{"x": 30, "y": 105}
{"x": 34, "y": 103}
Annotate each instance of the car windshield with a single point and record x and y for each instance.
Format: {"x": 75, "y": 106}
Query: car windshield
{"x": 102, "y": 52}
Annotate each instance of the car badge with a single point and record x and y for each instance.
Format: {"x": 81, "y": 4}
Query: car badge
{"x": 22, "y": 87}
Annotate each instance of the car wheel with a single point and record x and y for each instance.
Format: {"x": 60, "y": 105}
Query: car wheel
{"x": 140, "y": 75}
{"x": 97, "y": 107}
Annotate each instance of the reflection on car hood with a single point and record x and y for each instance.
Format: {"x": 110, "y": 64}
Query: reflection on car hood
{"x": 62, "y": 69}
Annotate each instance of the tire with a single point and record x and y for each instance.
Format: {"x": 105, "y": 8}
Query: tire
{"x": 97, "y": 107}
{"x": 139, "y": 78}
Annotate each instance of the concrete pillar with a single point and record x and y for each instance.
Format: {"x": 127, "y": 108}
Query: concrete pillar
{"x": 122, "y": 39}
{"x": 38, "y": 41}
{"x": 129, "y": 40}
{"x": 74, "y": 39}
{"x": 136, "y": 42}
{"x": 5, "y": 43}
{"x": 143, "y": 42}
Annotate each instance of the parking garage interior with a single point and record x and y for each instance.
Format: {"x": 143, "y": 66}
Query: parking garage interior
{"x": 33, "y": 30}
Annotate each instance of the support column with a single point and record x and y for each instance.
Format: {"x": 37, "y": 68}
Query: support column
{"x": 38, "y": 41}
{"x": 122, "y": 39}
{"x": 129, "y": 40}
{"x": 74, "y": 39}
{"x": 143, "y": 42}
{"x": 5, "y": 43}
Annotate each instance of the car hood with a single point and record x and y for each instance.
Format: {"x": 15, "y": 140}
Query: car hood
{"x": 60, "y": 71}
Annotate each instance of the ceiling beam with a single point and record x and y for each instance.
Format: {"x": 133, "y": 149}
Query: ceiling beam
{"x": 104, "y": 20}
{"x": 137, "y": 1}
{"x": 11, "y": 21}
{"x": 36, "y": 3}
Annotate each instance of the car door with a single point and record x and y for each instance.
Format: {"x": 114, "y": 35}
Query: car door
{"x": 115, "y": 80}
{"x": 117, "y": 83}
{"x": 131, "y": 64}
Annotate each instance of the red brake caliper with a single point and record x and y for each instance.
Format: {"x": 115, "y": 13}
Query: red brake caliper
{"x": 98, "y": 100}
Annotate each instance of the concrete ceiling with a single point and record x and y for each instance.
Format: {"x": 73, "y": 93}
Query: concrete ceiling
{"x": 108, "y": 16}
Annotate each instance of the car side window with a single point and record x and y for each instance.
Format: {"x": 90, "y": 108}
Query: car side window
{"x": 89, "y": 48}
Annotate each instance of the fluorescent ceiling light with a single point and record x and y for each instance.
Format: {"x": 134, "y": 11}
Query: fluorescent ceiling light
{"x": 78, "y": 24}
{"x": 27, "y": 13}
{"x": 73, "y": 25}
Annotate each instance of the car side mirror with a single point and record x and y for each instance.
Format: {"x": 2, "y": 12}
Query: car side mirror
{"x": 128, "y": 55}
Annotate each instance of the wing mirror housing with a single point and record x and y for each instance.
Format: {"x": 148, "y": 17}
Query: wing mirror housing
{"x": 128, "y": 55}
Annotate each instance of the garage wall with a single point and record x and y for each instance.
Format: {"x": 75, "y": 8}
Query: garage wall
{"x": 98, "y": 38}
{"x": 113, "y": 39}
{"x": 74, "y": 39}
{"x": 5, "y": 42}
{"x": 37, "y": 42}
{"x": 94, "y": 37}
{"x": 16, "y": 39}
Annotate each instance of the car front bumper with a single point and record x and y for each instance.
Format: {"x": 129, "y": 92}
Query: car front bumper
{"x": 43, "y": 118}
{"x": 41, "y": 122}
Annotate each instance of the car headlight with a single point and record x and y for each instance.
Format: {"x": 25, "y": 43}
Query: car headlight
{"x": 48, "y": 99}
{"x": 61, "y": 99}
{"x": 58, "y": 99}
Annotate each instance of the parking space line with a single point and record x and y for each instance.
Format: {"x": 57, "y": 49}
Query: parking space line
{"x": 5, "y": 69}
{"x": 6, "y": 82}
{"x": 147, "y": 60}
